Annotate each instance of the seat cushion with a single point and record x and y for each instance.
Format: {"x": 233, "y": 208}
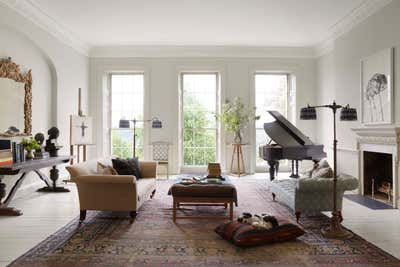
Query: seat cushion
{"x": 78, "y": 170}
{"x": 245, "y": 235}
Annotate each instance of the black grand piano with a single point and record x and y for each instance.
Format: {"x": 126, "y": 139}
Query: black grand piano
{"x": 290, "y": 144}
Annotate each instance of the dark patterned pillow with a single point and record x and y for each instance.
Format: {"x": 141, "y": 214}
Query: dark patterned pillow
{"x": 127, "y": 167}
{"x": 245, "y": 235}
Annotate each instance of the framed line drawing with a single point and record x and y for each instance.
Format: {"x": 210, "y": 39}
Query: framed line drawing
{"x": 81, "y": 130}
{"x": 377, "y": 88}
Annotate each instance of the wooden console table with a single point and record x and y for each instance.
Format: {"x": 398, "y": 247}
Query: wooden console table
{"x": 24, "y": 168}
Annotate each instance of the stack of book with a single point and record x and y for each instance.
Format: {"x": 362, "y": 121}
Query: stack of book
{"x": 11, "y": 151}
{"x": 6, "y": 155}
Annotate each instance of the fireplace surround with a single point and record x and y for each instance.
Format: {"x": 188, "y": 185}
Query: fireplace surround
{"x": 378, "y": 163}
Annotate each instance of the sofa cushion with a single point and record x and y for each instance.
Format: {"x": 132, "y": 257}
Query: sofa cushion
{"x": 245, "y": 235}
{"x": 105, "y": 169}
{"x": 322, "y": 173}
{"x": 127, "y": 167}
{"x": 78, "y": 170}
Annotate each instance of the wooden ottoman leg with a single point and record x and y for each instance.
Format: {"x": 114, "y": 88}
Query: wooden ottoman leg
{"x": 298, "y": 213}
{"x": 231, "y": 210}
{"x": 174, "y": 210}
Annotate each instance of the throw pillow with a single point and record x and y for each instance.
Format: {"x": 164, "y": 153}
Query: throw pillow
{"x": 76, "y": 170}
{"x": 104, "y": 169}
{"x": 127, "y": 166}
{"x": 245, "y": 235}
{"x": 322, "y": 173}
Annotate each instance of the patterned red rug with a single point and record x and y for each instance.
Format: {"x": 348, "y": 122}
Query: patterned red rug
{"x": 109, "y": 239}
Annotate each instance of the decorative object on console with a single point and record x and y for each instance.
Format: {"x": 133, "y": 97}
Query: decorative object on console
{"x": 40, "y": 153}
{"x": 376, "y": 88}
{"x": 30, "y": 145}
{"x": 346, "y": 114}
{"x": 51, "y": 143}
{"x": 124, "y": 123}
{"x": 235, "y": 117}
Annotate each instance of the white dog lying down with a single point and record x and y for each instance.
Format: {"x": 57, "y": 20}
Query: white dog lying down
{"x": 264, "y": 221}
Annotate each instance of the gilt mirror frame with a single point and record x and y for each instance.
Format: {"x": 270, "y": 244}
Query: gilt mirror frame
{"x": 10, "y": 70}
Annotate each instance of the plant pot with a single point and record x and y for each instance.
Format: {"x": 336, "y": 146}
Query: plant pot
{"x": 29, "y": 155}
{"x": 237, "y": 137}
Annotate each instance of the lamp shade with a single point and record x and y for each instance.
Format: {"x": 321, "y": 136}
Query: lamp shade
{"x": 348, "y": 114}
{"x": 124, "y": 123}
{"x": 308, "y": 113}
{"x": 156, "y": 123}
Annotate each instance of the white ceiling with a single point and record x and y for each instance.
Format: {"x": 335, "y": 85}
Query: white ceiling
{"x": 270, "y": 23}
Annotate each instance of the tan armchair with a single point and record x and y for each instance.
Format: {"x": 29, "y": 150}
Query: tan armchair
{"x": 115, "y": 192}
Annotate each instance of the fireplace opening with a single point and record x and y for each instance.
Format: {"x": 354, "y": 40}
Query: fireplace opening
{"x": 378, "y": 176}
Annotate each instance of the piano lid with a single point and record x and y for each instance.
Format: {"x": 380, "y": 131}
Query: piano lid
{"x": 284, "y": 133}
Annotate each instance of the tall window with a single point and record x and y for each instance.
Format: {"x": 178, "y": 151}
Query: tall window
{"x": 271, "y": 93}
{"x": 127, "y": 94}
{"x": 199, "y": 105}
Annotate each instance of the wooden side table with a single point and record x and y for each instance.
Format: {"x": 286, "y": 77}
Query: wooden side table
{"x": 238, "y": 152}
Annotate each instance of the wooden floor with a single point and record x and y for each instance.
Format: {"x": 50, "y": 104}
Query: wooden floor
{"x": 45, "y": 213}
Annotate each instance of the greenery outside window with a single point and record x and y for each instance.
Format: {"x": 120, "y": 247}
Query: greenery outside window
{"x": 127, "y": 102}
{"x": 199, "y": 125}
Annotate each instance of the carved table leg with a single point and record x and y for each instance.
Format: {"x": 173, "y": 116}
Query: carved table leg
{"x": 4, "y": 209}
{"x": 54, "y": 177}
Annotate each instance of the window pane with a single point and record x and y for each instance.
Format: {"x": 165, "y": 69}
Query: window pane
{"x": 270, "y": 94}
{"x": 127, "y": 94}
{"x": 199, "y": 123}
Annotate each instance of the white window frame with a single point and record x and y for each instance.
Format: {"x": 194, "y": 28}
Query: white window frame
{"x": 290, "y": 113}
{"x": 198, "y": 168}
{"x": 145, "y": 109}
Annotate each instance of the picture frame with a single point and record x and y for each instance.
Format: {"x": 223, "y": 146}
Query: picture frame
{"x": 376, "y": 88}
{"x": 81, "y": 130}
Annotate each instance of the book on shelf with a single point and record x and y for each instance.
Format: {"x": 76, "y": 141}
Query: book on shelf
{"x": 11, "y": 150}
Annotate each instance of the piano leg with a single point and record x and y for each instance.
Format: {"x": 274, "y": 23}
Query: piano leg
{"x": 295, "y": 171}
{"x": 271, "y": 164}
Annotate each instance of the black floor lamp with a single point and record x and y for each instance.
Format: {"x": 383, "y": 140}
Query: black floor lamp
{"x": 335, "y": 230}
{"x": 124, "y": 124}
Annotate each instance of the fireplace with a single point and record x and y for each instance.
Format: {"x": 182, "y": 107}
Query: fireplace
{"x": 378, "y": 150}
{"x": 378, "y": 176}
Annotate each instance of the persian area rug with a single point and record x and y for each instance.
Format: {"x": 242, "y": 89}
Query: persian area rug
{"x": 109, "y": 239}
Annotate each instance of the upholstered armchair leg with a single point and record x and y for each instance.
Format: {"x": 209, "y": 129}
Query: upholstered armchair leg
{"x": 82, "y": 215}
{"x": 153, "y": 193}
{"x": 273, "y": 197}
{"x": 298, "y": 213}
{"x": 133, "y": 214}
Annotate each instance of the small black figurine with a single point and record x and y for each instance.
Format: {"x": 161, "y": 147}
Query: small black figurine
{"x": 40, "y": 153}
{"x": 51, "y": 143}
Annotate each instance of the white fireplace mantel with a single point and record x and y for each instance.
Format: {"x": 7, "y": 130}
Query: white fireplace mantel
{"x": 383, "y": 140}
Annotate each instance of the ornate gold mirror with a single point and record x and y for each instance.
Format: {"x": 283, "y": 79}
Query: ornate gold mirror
{"x": 16, "y": 98}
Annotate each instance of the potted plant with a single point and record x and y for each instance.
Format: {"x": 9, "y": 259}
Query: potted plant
{"x": 235, "y": 117}
{"x": 30, "y": 145}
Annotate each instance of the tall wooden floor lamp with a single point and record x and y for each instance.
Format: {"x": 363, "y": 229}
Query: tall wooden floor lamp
{"x": 335, "y": 230}
{"x": 123, "y": 123}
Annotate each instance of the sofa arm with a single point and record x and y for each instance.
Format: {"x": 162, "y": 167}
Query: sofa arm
{"x": 148, "y": 169}
{"x": 344, "y": 182}
{"x": 105, "y": 179}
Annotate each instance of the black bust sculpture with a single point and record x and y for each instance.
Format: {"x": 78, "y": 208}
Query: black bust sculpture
{"x": 51, "y": 142}
{"x": 40, "y": 153}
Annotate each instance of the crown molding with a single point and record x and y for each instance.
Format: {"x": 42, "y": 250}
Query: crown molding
{"x": 348, "y": 22}
{"x": 202, "y": 51}
{"x": 29, "y": 10}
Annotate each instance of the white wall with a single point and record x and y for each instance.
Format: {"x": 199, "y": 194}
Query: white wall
{"x": 162, "y": 90}
{"x": 339, "y": 76}
{"x": 57, "y": 71}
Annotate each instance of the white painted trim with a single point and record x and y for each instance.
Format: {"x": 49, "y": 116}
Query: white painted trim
{"x": 202, "y": 51}
{"x": 347, "y": 23}
{"x": 31, "y": 11}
